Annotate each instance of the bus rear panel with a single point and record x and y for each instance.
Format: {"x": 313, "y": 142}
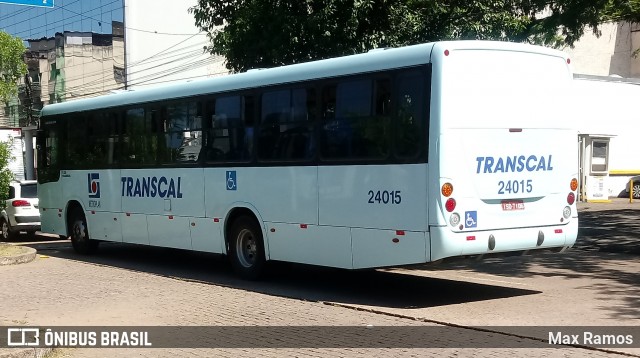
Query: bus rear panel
{"x": 504, "y": 168}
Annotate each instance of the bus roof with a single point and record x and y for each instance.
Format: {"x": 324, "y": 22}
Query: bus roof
{"x": 375, "y": 60}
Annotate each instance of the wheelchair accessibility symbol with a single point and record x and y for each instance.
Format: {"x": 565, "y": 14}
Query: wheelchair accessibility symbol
{"x": 231, "y": 180}
{"x": 471, "y": 219}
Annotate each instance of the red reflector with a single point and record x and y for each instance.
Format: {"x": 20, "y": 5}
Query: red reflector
{"x": 471, "y": 238}
{"x": 128, "y": 214}
{"x": 193, "y": 224}
{"x": 170, "y": 217}
{"x": 93, "y": 212}
{"x": 515, "y": 130}
{"x": 400, "y": 232}
{"x": 395, "y": 240}
{"x": 216, "y": 220}
{"x": 17, "y": 203}
{"x": 568, "y": 61}
{"x": 450, "y": 204}
{"x": 446, "y": 52}
{"x": 571, "y": 198}
{"x": 303, "y": 226}
{"x": 558, "y": 231}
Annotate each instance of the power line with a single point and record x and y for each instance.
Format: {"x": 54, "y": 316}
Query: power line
{"x": 47, "y": 12}
{"x": 170, "y": 59}
{"x": 168, "y": 48}
{"x": 164, "y": 33}
{"x": 97, "y": 93}
{"x": 12, "y": 14}
{"x": 154, "y": 75}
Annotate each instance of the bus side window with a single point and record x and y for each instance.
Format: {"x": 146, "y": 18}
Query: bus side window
{"x": 410, "y": 118}
{"x": 181, "y": 133}
{"x": 230, "y": 129}
{"x": 77, "y": 143}
{"x": 286, "y": 125}
{"x": 356, "y": 119}
{"x": 134, "y": 144}
{"x": 99, "y": 128}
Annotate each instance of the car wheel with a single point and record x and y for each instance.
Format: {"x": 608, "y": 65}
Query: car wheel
{"x": 246, "y": 248}
{"x": 7, "y": 234}
{"x": 635, "y": 191}
{"x": 80, "y": 240}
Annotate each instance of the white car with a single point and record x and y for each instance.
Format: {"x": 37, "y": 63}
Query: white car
{"x": 21, "y": 210}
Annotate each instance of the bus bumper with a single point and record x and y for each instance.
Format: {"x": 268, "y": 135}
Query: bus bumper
{"x": 446, "y": 243}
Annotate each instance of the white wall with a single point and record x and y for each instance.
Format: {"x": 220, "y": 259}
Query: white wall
{"x": 608, "y": 54}
{"x": 163, "y": 44}
{"x": 611, "y": 108}
{"x": 16, "y": 165}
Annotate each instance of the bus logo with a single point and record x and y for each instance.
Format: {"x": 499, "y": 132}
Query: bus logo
{"x": 94, "y": 185}
{"x": 232, "y": 184}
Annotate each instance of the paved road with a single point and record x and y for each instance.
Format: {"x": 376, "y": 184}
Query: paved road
{"x": 129, "y": 285}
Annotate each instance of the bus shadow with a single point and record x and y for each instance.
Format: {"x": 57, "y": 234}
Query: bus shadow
{"x": 371, "y": 288}
{"x": 606, "y": 254}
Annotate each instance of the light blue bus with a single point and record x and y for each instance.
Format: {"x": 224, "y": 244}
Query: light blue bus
{"x": 393, "y": 157}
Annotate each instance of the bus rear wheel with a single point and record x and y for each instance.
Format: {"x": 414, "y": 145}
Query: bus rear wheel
{"x": 80, "y": 240}
{"x": 246, "y": 248}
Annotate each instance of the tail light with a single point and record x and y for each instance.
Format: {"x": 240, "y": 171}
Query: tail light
{"x": 450, "y": 205}
{"x": 447, "y": 189}
{"x": 571, "y": 198}
{"x": 17, "y": 203}
{"x": 574, "y": 184}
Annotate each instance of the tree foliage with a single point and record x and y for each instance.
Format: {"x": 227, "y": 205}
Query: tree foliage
{"x": 12, "y": 65}
{"x": 6, "y": 176}
{"x": 267, "y": 33}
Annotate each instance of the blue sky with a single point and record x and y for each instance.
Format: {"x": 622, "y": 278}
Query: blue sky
{"x": 29, "y": 22}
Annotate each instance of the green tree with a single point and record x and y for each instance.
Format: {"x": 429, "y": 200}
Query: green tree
{"x": 6, "y": 176}
{"x": 267, "y": 33}
{"x": 12, "y": 66}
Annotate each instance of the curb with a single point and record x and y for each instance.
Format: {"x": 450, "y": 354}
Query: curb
{"x": 29, "y": 256}
{"x": 25, "y": 352}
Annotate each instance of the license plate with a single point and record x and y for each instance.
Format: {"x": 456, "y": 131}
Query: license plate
{"x": 508, "y": 205}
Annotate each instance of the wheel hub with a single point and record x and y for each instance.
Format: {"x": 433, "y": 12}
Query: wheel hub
{"x": 246, "y": 248}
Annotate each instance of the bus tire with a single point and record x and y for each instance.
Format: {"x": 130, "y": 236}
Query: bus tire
{"x": 79, "y": 234}
{"x": 246, "y": 248}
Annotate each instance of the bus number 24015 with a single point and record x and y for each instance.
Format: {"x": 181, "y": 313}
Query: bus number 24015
{"x": 385, "y": 197}
{"x": 515, "y": 186}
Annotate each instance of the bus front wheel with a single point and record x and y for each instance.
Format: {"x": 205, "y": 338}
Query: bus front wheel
{"x": 246, "y": 248}
{"x": 80, "y": 235}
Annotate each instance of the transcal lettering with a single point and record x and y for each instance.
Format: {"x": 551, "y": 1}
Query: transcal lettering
{"x": 513, "y": 164}
{"x": 151, "y": 187}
